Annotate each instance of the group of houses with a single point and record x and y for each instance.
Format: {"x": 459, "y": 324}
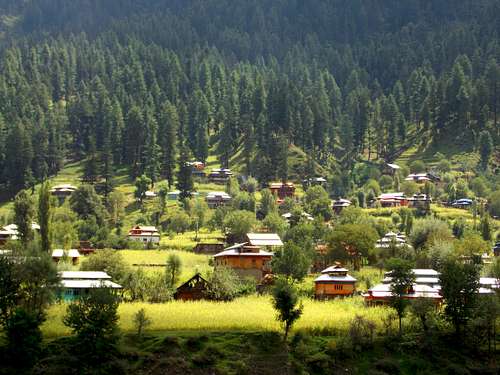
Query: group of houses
{"x": 10, "y": 232}
{"x": 426, "y": 285}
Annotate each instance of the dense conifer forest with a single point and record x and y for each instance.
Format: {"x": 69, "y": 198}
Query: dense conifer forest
{"x": 131, "y": 83}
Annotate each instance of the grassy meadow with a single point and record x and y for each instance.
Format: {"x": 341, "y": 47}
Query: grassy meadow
{"x": 253, "y": 313}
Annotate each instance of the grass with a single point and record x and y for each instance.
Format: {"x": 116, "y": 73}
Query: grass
{"x": 191, "y": 263}
{"x": 186, "y": 241}
{"x": 253, "y": 313}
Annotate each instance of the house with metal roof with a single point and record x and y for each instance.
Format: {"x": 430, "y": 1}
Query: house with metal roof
{"x": 145, "y": 234}
{"x": 217, "y": 199}
{"x": 246, "y": 260}
{"x": 75, "y": 284}
{"x": 334, "y": 282}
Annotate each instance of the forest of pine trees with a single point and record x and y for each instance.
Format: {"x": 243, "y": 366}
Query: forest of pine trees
{"x": 126, "y": 83}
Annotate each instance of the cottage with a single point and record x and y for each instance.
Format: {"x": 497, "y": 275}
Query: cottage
{"x": 340, "y": 204}
{"x": 463, "y": 203}
{"x": 197, "y": 168}
{"x": 334, "y": 282}
{"x": 420, "y": 202}
{"x": 392, "y": 200}
{"x": 246, "y": 260}
{"x": 392, "y": 239}
{"x": 63, "y": 191}
{"x": 11, "y": 233}
{"x": 193, "y": 289}
{"x": 496, "y": 249}
{"x": 217, "y": 199}
{"x": 72, "y": 254}
{"x": 57, "y": 255}
{"x": 282, "y": 190}
{"x": 426, "y": 285}
{"x": 289, "y": 217}
{"x": 220, "y": 175}
{"x": 85, "y": 248}
{"x": 208, "y": 248}
{"x": 79, "y": 283}
{"x": 314, "y": 181}
{"x": 144, "y": 234}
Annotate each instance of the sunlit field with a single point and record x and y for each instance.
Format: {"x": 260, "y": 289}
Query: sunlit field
{"x": 254, "y": 313}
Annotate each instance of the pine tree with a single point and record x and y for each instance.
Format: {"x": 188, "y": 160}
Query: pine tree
{"x": 184, "y": 176}
{"x": 91, "y": 167}
{"x": 169, "y": 125}
{"x": 44, "y": 216}
{"x": 23, "y": 216}
{"x": 485, "y": 148}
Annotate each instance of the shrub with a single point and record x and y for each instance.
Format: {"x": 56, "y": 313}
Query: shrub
{"x": 418, "y": 166}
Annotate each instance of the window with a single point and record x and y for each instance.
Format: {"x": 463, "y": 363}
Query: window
{"x": 339, "y": 287}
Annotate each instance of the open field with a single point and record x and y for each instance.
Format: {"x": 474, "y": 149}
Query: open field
{"x": 254, "y": 313}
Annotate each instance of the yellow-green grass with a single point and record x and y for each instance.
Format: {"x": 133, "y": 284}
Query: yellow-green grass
{"x": 253, "y": 313}
{"x": 191, "y": 263}
{"x": 186, "y": 241}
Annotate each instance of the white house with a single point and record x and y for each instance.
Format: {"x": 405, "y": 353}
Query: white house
{"x": 144, "y": 234}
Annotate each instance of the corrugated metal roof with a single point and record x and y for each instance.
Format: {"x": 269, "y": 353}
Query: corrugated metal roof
{"x": 264, "y": 239}
{"x": 235, "y": 252}
{"x": 84, "y": 275}
{"x": 330, "y": 278}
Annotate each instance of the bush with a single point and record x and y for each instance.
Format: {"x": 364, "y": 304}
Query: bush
{"x": 428, "y": 230}
{"x": 418, "y": 166}
{"x": 180, "y": 222}
{"x": 223, "y": 284}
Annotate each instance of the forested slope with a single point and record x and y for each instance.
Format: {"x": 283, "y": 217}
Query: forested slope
{"x": 131, "y": 83}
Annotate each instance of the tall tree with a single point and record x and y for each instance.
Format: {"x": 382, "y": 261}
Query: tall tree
{"x": 184, "y": 175}
{"x": 23, "y": 216}
{"x": 45, "y": 216}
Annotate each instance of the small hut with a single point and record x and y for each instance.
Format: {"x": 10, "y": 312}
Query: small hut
{"x": 333, "y": 282}
{"x": 193, "y": 289}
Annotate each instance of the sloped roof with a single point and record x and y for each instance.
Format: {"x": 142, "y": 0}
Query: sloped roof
{"x": 57, "y": 253}
{"x": 233, "y": 251}
{"x": 335, "y": 278}
{"x": 84, "y": 275}
{"x": 73, "y": 253}
{"x": 264, "y": 239}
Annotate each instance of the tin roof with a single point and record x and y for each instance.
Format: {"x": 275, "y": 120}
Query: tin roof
{"x": 264, "y": 239}
{"x": 84, "y": 275}
{"x": 89, "y": 284}
{"x": 334, "y": 278}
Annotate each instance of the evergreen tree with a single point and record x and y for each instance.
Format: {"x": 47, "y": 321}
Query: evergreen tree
{"x": 169, "y": 125}
{"x": 23, "y": 216}
{"x": 485, "y": 148}
{"x": 184, "y": 176}
{"x": 91, "y": 167}
{"x": 45, "y": 217}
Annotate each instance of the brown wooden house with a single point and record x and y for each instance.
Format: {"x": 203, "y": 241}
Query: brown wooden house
{"x": 282, "y": 190}
{"x": 334, "y": 282}
{"x": 193, "y": 289}
{"x": 246, "y": 260}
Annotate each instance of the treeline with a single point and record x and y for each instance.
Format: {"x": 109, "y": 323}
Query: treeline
{"x": 136, "y": 87}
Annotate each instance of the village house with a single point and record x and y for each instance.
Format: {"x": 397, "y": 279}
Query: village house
{"x": 463, "y": 203}
{"x": 392, "y": 200}
{"x": 194, "y": 289}
{"x": 85, "y": 248}
{"x": 246, "y": 260}
{"x": 340, "y": 204}
{"x": 282, "y": 190}
{"x": 426, "y": 285}
{"x": 391, "y": 168}
{"x": 71, "y": 254}
{"x": 392, "y": 239}
{"x": 496, "y": 249}
{"x": 421, "y": 178}
{"x": 63, "y": 191}
{"x": 217, "y": 199}
{"x": 420, "y": 202}
{"x": 75, "y": 284}
{"x": 334, "y": 282}
{"x": 220, "y": 175}
{"x": 144, "y": 234}
{"x": 303, "y": 215}
{"x": 314, "y": 181}
{"x": 197, "y": 169}
{"x": 11, "y": 233}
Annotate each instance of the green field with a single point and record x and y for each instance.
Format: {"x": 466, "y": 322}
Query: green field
{"x": 253, "y": 313}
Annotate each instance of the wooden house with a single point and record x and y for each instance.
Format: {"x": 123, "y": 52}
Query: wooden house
{"x": 86, "y": 248}
{"x": 282, "y": 190}
{"x": 217, "y": 199}
{"x": 63, "y": 191}
{"x": 75, "y": 284}
{"x": 422, "y": 178}
{"x": 197, "y": 169}
{"x": 220, "y": 175}
{"x": 314, "y": 181}
{"x": 71, "y": 254}
{"x": 334, "y": 282}
{"x": 340, "y": 204}
{"x": 264, "y": 240}
{"x": 420, "y": 202}
{"x": 208, "y": 248}
{"x": 246, "y": 260}
{"x": 392, "y": 200}
{"x": 193, "y": 289}
{"x": 144, "y": 234}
